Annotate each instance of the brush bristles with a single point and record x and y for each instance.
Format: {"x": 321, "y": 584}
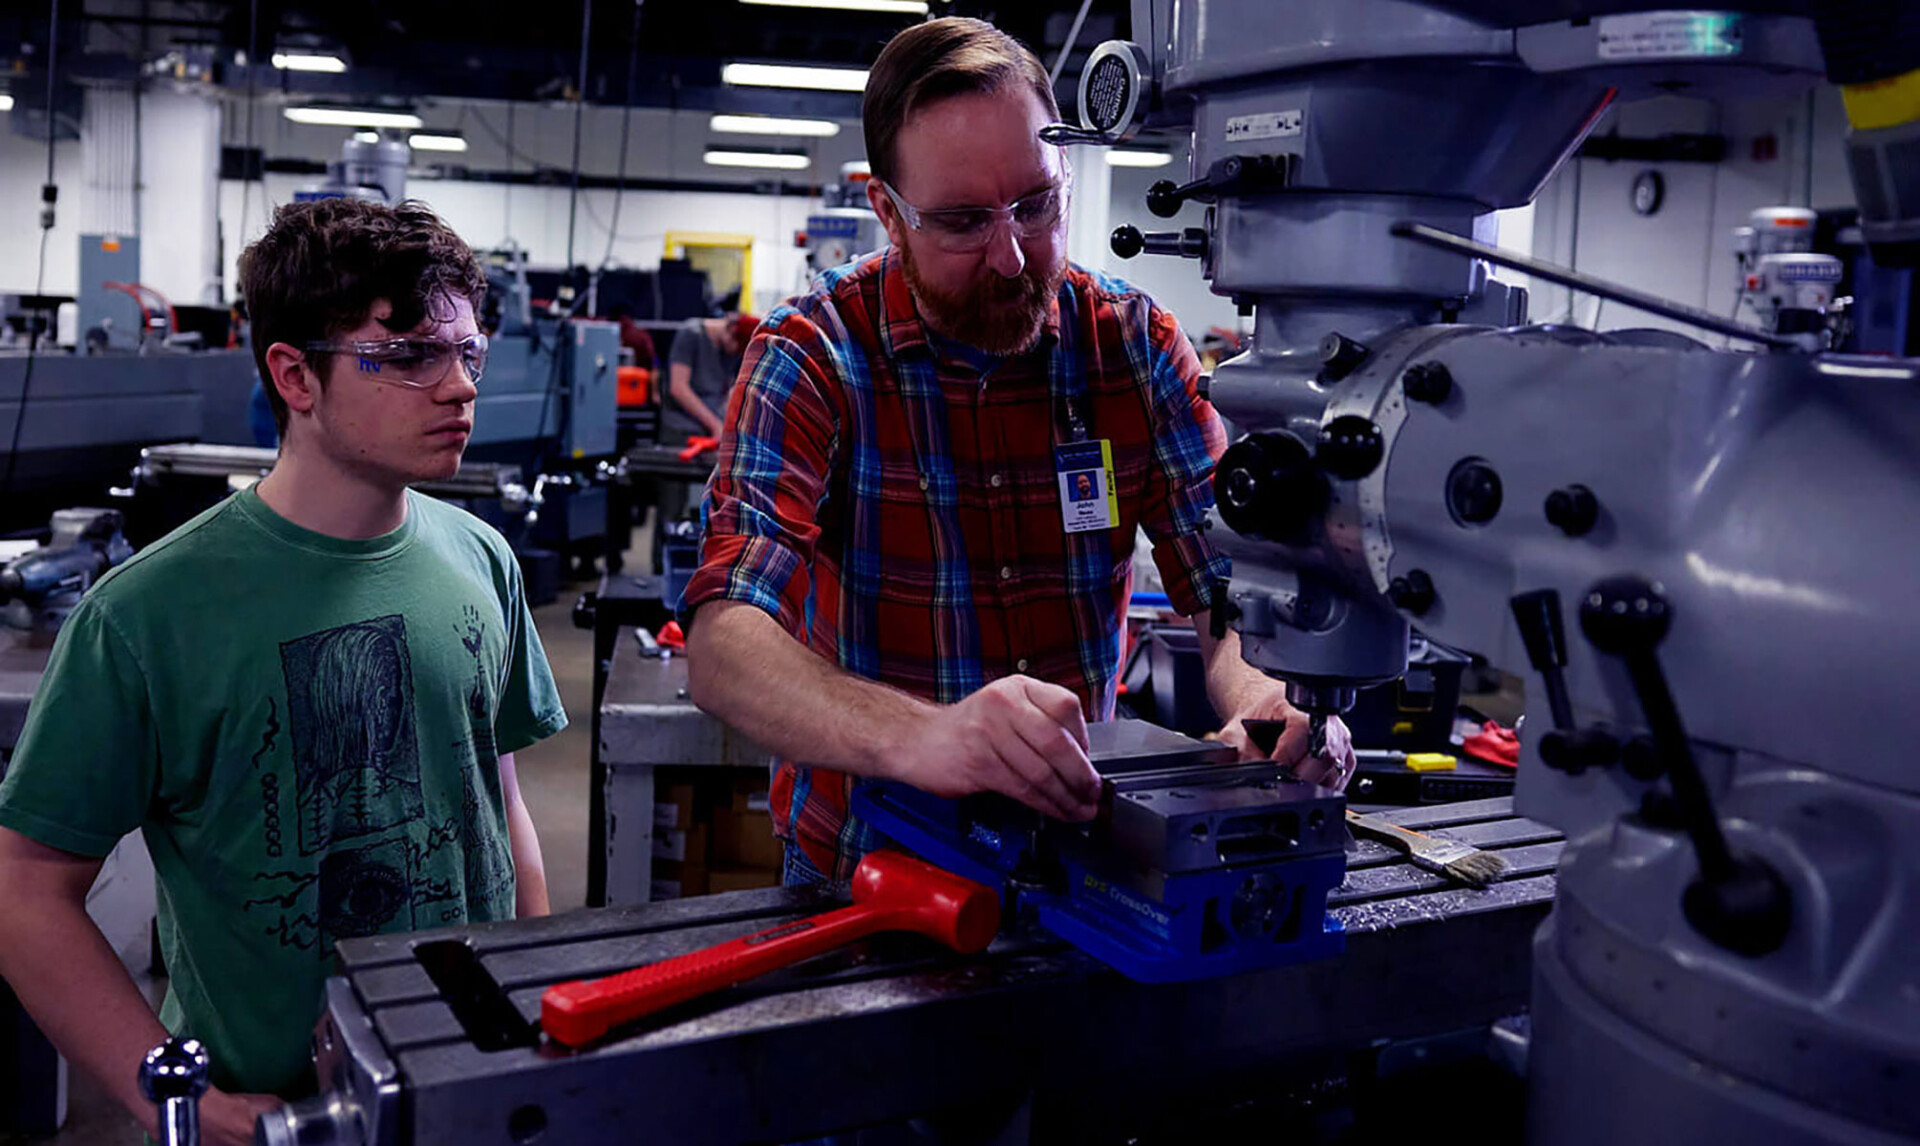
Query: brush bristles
{"x": 1478, "y": 869}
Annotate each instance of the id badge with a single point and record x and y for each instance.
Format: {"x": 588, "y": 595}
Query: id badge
{"x": 1087, "y": 499}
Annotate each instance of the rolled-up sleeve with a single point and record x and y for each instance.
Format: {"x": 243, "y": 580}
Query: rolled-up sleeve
{"x": 776, "y": 451}
{"x": 1188, "y": 440}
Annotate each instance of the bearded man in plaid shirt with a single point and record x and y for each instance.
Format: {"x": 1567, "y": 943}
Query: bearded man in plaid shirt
{"x": 903, "y": 574}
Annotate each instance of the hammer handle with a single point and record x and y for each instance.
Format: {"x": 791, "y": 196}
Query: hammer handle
{"x": 577, "y": 1013}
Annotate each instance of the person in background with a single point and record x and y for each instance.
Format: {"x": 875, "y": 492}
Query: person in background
{"x": 701, "y": 367}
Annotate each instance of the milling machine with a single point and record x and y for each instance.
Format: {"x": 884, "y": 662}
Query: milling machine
{"x": 1724, "y": 733}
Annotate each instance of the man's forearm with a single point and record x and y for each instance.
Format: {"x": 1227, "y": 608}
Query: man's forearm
{"x": 696, "y": 408}
{"x": 529, "y": 865}
{"x": 70, "y": 981}
{"x": 1233, "y": 685}
{"x": 746, "y": 670}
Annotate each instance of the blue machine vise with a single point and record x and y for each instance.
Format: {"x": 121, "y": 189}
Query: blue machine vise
{"x": 1195, "y": 866}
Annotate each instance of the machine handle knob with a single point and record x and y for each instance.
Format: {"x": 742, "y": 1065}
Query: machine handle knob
{"x": 1738, "y": 901}
{"x": 1268, "y": 486}
{"x": 1128, "y": 241}
{"x": 1538, "y": 615}
{"x": 173, "y": 1076}
{"x": 1165, "y": 198}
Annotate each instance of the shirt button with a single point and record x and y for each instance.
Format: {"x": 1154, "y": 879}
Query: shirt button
{"x": 994, "y": 481}
{"x": 1006, "y": 572}
{"x": 923, "y": 483}
{"x": 1021, "y": 664}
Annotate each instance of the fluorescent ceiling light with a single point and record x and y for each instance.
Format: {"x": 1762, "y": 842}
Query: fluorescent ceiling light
{"x": 768, "y": 159}
{"x": 6, "y": 102}
{"x": 905, "y": 7}
{"x": 795, "y": 76}
{"x": 1138, "y": 158}
{"x": 308, "y": 62}
{"x": 431, "y": 141}
{"x": 367, "y": 136}
{"x": 352, "y": 117}
{"x": 773, "y": 125}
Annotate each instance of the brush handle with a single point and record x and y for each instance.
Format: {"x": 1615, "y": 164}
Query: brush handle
{"x": 1385, "y": 829}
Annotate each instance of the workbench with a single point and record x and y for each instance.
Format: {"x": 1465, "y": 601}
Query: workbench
{"x": 1034, "y": 1037}
{"x": 646, "y": 473}
{"x": 646, "y": 721}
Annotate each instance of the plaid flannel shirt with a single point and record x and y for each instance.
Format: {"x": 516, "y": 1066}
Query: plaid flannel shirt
{"x": 891, "y": 499}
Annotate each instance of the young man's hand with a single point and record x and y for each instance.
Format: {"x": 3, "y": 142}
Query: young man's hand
{"x": 227, "y": 1119}
{"x": 1018, "y": 736}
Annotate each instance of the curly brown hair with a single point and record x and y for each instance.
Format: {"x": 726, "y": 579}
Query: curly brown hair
{"x": 321, "y": 267}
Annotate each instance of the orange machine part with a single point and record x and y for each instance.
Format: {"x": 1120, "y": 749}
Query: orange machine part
{"x": 634, "y": 384}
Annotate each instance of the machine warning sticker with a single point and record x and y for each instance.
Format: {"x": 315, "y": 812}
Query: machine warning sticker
{"x": 1265, "y": 125}
{"x": 1670, "y": 35}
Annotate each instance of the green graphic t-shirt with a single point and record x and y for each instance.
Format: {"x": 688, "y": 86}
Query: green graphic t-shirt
{"x": 307, "y": 731}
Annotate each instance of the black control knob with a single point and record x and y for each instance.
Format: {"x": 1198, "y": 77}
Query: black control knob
{"x": 1414, "y": 593}
{"x": 1429, "y": 382}
{"x": 1128, "y": 241}
{"x": 1164, "y": 199}
{"x": 1573, "y": 751}
{"x": 1574, "y": 510}
{"x": 1538, "y": 615}
{"x": 1340, "y": 356}
{"x": 1267, "y": 486}
{"x": 1625, "y": 616}
{"x": 1474, "y": 492}
{"x": 1350, "y": 447}
{"x": 1748, "y": 910}
{"x": 1640, "y": 758}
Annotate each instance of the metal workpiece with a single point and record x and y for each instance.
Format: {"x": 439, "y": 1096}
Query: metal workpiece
{"x": 1122, "y": 747}
{"x": 1029, "y": 1023}
{"x": 1187, "y": 822}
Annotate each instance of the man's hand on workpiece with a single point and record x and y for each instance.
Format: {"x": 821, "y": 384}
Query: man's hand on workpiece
{"x": 1018, "y": 736}
{"x": 1332, "y": 769}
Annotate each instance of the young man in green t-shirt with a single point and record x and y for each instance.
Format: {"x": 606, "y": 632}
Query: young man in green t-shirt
{"x": 307, "y": 698}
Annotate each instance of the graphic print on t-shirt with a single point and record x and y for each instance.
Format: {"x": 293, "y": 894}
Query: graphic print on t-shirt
{"x": 489, "y": 871}
{"x": 363, "y": 890}
{"x": 350, "y": 717}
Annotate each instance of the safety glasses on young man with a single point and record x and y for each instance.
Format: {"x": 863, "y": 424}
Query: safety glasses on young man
{"x": 961, "y": 230}
{"x": 416, "y": 363}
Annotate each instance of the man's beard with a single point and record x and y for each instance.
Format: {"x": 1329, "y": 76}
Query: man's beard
{"x": 1001, "y": 316}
